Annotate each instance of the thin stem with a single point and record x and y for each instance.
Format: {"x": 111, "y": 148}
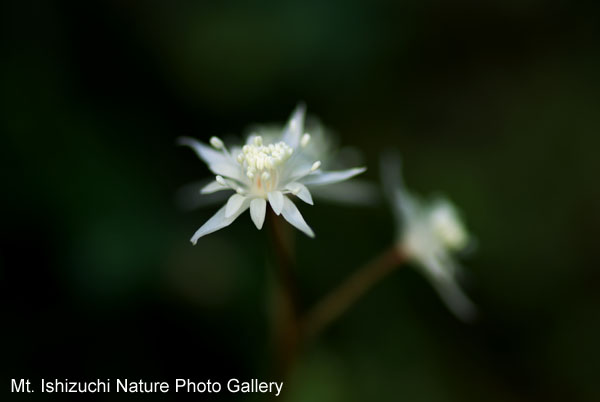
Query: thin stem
{"x": 287, "y": 306}
{"x": 340, "y": 299}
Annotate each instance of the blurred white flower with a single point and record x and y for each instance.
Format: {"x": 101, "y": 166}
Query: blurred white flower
{"x": 271, "y": 166}
{"x": 429, "y": 233}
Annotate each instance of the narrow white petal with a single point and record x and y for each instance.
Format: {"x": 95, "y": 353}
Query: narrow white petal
{"x": 228, "y": 168}
{"x": 331, "y": 177}
{"x": 218, "y": 221}
{"x": 456, "y": 300}
{"x": 234, "y": 203}
{"x": 295, "y": 126}
{"x": 217, "y": 161}
{"x": 291, "y": 214}
{"x": 445, "y": 284}
{"x": 258, "y": 209}
{"x": 299, "y": 171}
{"x": 213, "y": 187}
{"x": 204, "y": 152}
{"x": 300, "y": 191}
{"x": 276, "y": 201}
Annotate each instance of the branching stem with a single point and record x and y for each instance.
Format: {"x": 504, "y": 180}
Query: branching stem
{"x": 340, "y": 299}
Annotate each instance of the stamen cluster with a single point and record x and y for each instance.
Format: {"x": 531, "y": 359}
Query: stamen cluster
{"x": 261, "y": 161}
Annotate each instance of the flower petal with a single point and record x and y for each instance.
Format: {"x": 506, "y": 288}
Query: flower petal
{"x": 204, "y": 152}
{"x": 295, "y": 126}
{"x": 217, "y": 161}
{"x": 445, "y": 284}
{"x": 390, "y": 166}
{"x": 218, "y": 221}
{"x": 234, "y": 203}
{"x": 228, "y": 169}
{"x": 456, "y": 300}
{"x": 258, "y": 209}
{"x": 300, "y": 191}
{"x": 298, "y": 171}
{"x": 292, "y": 215}
{"x": 276, "y": 201}
{"x": 331, "y": 177}
{"x": 213, "y": 187}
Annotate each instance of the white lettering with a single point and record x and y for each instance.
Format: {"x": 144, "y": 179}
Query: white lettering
{"x": 199, "y": 387}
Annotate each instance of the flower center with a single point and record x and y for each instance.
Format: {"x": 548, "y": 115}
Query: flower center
{"x": 448, "y": 228}
{"x": 261, "y": 164}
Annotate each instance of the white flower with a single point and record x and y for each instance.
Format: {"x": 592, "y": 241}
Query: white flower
{"x": 429, "y": 233}
{"x": 267, "y": 169}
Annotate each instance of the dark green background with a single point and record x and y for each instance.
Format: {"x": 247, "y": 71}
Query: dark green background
{"x": 495, "y": 105}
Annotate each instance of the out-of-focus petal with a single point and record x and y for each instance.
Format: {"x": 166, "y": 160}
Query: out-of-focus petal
{"x": 293, "y": 130}
{"x": 444, "y": 282}
{"x": 456, "y": 300}
{"x": 390, "y": 167}
{"x": 353, "y": 192}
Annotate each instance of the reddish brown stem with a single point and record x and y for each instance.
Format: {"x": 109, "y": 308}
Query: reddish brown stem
{"x": 286, "y": 298}
{"x": 338, "y": 301}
